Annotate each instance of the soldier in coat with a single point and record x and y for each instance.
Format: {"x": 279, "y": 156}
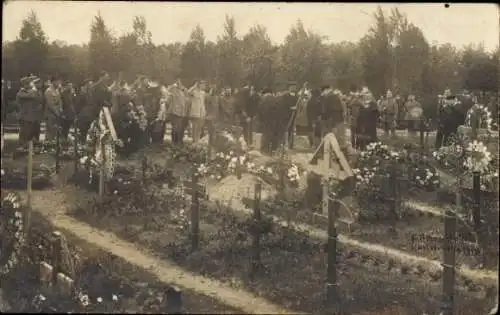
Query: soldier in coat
{"x": 31, "y": 101}
{"x": 53, "y": 108}
{"x": 389, "y": 109}
{"x": 414, "y": 113}
{"x": 355, "y": 104}
{"x": 68, "y": 96}
{"x": 197, "y": 110}
{"x": 450, "y": 117}
{"x": 177, "y": 110}
{"x": 367, "y": 121}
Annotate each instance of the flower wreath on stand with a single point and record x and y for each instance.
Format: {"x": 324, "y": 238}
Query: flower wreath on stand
{"x": 480, "y": 113}
{"x": 99, "y": 136}
{"x": 11, "y": 232}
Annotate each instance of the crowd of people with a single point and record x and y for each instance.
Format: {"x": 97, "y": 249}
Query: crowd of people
{"x": 141, "y": 110}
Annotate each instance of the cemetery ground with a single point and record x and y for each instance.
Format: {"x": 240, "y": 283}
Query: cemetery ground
{"x": 293, "y": 264}
{"x": 103, "y": 282}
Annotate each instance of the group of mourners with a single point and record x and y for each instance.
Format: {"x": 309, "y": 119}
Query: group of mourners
{"x": 142, "y": 109}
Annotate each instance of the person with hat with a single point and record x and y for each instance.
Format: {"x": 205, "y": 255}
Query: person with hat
{"x": 68, "y": 98}
{"x": 53, "y": 114}
{"x": 389, "y": 110}
{"x": 31, "y": 103}
{"x": 197, "y": 111}
{"x": 450, "y": 117}
{"x": 366, "y": 125}
{"x": 355, "y": 104}
{"x": 414, "y": 113}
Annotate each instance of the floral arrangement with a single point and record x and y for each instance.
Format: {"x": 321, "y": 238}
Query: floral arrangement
{"x": 271, "y": 172}
{"x": 482, "y": 114}
{"x": 11, "y": 231}
{"x": 469, "y": 157}
{"x": 222, "y": 165}
{"x": 477, "y": 157}
{"x": 425, "y": 176}
{"x": 137, "y": 114}
{"x": 376, "y": 151}
{"x": 364, "y": 175}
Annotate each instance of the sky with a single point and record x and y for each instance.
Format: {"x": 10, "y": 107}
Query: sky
{"x": 69, "y": 21}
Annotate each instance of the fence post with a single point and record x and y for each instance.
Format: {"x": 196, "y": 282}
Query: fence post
{"x": 58, "y": 149}
{"x": 77, "y": 158}
{"x": 101, "y": 171}
{"x": 144, "y": 167}
{"x": 256, "y": 236}
{"x": 195, "y": 215}
{"x": 29, "y": 182}
{"x": 422, "y": 132}
{"x": 173, "y": 296}
{"x": 331, "y": 282}
{"x": 476, "y": 189}
{"x": 450, "y": 226}
{"x": 56, "y": 255}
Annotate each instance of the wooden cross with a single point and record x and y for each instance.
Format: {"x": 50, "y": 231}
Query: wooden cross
{"x": 195, "y": 190}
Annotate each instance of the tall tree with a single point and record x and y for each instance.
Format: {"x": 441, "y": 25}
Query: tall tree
{"x": 193, "y": 60}
{"x": 303, "y": 56}
{"x": 411, "y": 53}
{"x": 101, "y": 48}
{"x": 31, "y": 47}
{"x": 230, "y": 69}
{"x": 377, "y": 55}
{"x": 258, "y": 57}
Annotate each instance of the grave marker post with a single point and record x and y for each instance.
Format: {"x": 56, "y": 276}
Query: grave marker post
{"x": 450, "y": 226}
{"x": 256, "y": 237}
{"x": 29, "y": 183}
{"x": 422, "y": 132}
{"x": 102, "y": 172}
{"x": 476, "y": 189}
{"x": 56, "y": 255}
{"x": 196, "y": 191}
{"x": 77, "y": 158}
{"x": 58, "y": 149}
{"x": 331, "y": 282}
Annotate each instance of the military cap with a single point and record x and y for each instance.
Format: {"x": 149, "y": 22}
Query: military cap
{"x": 25, "y": 80}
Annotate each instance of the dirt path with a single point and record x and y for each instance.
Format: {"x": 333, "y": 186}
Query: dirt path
{"x": 53, "y": 204}
{"x": 478, "y": 275}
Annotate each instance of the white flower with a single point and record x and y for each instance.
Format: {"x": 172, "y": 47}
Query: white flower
{"x": 269, "y": 170}
{"x": 234, "y": 160}
{"x": 114, "y": 297}
{"x": 99, "y": 300}
{"x": 218, "y": 177}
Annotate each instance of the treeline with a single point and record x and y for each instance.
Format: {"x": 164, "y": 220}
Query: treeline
{"x": 393, "y": 54}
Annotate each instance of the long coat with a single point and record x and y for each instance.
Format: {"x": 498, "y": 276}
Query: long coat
{"x": 31, "y": 104}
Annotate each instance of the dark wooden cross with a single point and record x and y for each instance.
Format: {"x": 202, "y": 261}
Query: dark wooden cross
{"x": 196, "y": 191}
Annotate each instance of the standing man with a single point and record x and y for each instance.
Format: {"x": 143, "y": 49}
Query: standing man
{"x": 355, "y": 104}
{"x": 31, "y": 102}
{"x": 197, "y": 112}
{"x": 389, "y": 109}
{"x": 176, "y": 102}
{"x": 289, "y": 107}
{"x": 414, "y": 114}
{"x": 450, "y": 117}
{"x": 68, "y": 97}
{"x": 53, "y": 114}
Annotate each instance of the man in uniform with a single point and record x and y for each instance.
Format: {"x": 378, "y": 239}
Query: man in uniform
{"x": 54, "y": 107}
{"x": 68, "y": 97}
{"x": 289, "y": 106}
{"x": 413, "y": 114}
{"x": 355, "y": 105}
{"x": 450, "y": 117}
{"x": 389, "y": 109}
{"x": 31, "y": 101}
{"x": 177, "y": 110}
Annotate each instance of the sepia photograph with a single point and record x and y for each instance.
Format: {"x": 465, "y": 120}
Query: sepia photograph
{"x": 164, "y": 157}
